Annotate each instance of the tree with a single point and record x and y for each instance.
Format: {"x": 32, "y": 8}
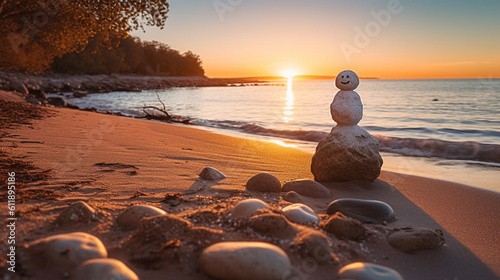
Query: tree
{"x": 33, "y": 33}
{"x": 130, "y": 56}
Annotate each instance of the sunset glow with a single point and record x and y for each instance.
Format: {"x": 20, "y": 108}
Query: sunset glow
{"x": 404, "y": 40}
{"x": 289, "y": 73}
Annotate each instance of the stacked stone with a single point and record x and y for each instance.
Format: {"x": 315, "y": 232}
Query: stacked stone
{"x": 349, "y": 152}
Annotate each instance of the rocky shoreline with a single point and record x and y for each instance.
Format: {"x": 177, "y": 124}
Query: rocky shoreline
{"x": 34, "y": 88}
{"x": 57, "y": 83}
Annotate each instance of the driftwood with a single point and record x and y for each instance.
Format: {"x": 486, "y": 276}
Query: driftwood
{"x": 163, "y": 114}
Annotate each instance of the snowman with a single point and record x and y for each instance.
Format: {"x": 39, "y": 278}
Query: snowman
{"x": 346, "y": 107}
{"x": 348, "y": 152}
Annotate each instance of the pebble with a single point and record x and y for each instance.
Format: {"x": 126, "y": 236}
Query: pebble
{"x": 308, "y": 188}
{"x": 264, "y": 182}
{"x": 104, "y": 269}
{"x": 301, "y": 214}
{"x": 414, "y": 239}
{"x": 245, "y": 261}
{"x": 367, "y": 211}
{"x": 344, "y": 227}
{"x": 69, "y": 249}
{"x": 130, "y": 218}
{"x": 367, "y": 271}
{"x": 248, "y": 207}
{"x": 293, "y": 197}
{"x": 211, "y": 174}
{"x": 77, "y": 212}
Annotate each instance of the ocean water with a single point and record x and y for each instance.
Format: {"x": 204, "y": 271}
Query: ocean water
{"x": 451, "y": 122}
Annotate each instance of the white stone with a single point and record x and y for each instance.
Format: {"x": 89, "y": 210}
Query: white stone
{"x": 301, "y": 214}
{"x": 367, "y": 271}
{"x": 104, "y": 269}
{"x": 346, "y": 108}
{"x": 245, "y": 261}
{"x": 347, "y": 80}
{"x": 211, "y": 174}
{"x": 68, "y": 249}
{"x": 131, "y": 217}
{"x": 248, "y": 207}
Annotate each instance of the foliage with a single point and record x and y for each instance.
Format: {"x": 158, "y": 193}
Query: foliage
{"x": 33, "y": 33}
{"x": 131, "y": 57}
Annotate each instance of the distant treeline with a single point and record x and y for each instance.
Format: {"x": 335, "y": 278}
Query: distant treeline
{"x": 130, "y": 56}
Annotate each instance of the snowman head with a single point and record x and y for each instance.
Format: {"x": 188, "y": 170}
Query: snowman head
{"x": 347, "y": 80}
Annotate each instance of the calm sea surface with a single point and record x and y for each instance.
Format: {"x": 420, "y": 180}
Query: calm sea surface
{"x": 456, "y": 120}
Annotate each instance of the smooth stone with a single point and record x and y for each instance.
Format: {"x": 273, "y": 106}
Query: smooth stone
{"x": 245, "y": 261}
{"x": 415, "y": 239}
{"x": 347, "y": 80}
{"x": 346, "y": 108}
{"x": 69, "y": 249}
{"x": 308, "y": 188}
{"x": 264, "y": 182}
{"x": 301, "y": 214}
{"x": 77, "y": 212}
{"x": 367, "y": 271}
{"x": 211, "y": 174}
{"x": 248, "y": 207}
{"x": 344, "y": 227}
{"x": 131, "y": 217}
{"x": 367, "y": 211}
{"x": 104, "y": 269}
{"x": 293, "y": 197}
{"x": 347, "y": 153}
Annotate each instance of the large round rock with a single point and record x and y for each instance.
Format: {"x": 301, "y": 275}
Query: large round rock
{"x": 68, "y": 249}
{"x": 308, "y": 188}
{"x": 264, "y": 182}
{"x": 104, "y": 269}
{"x": 347, "y": 153}
{"x": 245, "y": 261}
{"x": 131, "y": 217}
{"x": 301, "y": 214}
{"x": 367, "y": 271}
{"x": 248, "y": 207}
{"x": 367, "y": 211}
{"x": 413, "y": 239}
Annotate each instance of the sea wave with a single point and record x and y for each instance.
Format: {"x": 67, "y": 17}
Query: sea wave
{"x": 466, "y": 151}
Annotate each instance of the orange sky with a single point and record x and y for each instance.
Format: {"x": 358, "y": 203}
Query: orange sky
{"x": 390, "y": 39}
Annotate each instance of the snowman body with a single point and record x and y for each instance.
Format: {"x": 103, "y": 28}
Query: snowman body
{"x": 346, "y": 107}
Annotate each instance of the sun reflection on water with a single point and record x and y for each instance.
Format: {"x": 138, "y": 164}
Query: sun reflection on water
{"x": 288, "y": 110}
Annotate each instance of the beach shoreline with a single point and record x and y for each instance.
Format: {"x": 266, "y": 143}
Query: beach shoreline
{"x": 88, "y": 84}
{"x": 168, "y": 158}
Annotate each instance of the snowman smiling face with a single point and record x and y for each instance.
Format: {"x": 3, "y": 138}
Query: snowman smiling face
{"x": 347, "y": 80}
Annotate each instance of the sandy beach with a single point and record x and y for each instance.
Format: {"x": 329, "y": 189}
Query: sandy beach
{"x": 113, "y": 162}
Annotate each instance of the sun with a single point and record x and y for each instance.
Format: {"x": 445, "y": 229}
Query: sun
{"x": 289, "y": 73}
